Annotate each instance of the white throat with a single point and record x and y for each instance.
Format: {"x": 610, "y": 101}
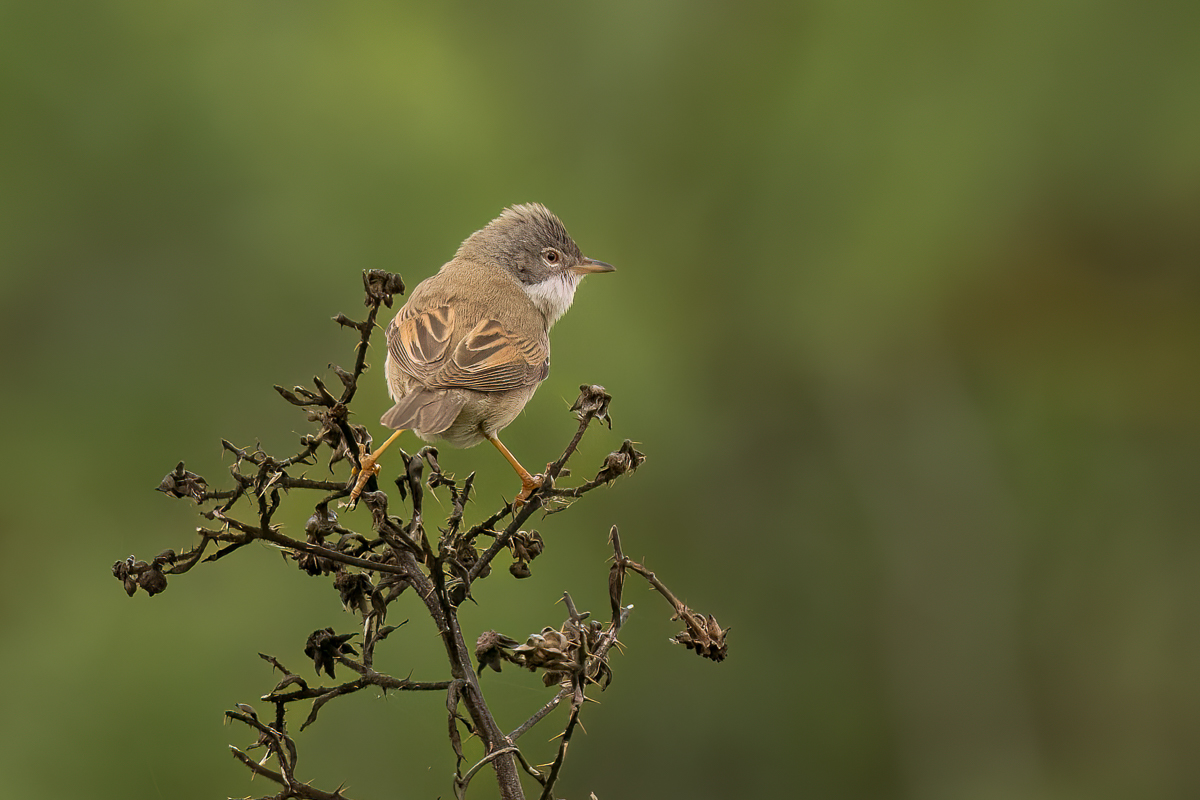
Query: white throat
{"x": 553, "y": 296}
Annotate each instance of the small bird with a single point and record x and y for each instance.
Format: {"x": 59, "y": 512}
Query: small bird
{"x": 471, "y": 345}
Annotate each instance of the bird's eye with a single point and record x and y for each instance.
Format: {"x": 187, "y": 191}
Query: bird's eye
{"x": 551, "y": 255}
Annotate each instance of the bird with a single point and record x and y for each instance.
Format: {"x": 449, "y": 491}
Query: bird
{"x": 470, "y": 347}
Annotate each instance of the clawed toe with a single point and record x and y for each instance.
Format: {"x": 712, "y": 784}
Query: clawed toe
{"x": 369, "y": 470}
{"x": 534, "y": 483}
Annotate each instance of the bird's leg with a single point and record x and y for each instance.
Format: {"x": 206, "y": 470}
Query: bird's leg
{"x": 368, "y": 466}
{"x": 529, "y": 483}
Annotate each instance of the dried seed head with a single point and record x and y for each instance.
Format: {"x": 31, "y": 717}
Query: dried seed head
{"x": 181, "y": 483}
{"x": 703, "y": 635}
{"x": 525, "y": 546}
{"x": 355, "y": 589}
{"x": 152, "y": 581}
{"x": 381, "y": 285}
{"x": 592, "y": 403}
{"x": 322, "y": 523}
{"x": 552, "y": 650}
{"x": 490, "y": 650}
{"x": 324, "y": 646}
{"x": 624, "y": 459}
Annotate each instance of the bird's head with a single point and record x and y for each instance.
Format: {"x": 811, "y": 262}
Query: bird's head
{"x": 533, "y": 245}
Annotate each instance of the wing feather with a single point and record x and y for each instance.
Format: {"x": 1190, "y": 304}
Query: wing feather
{"x": 488, "y": 358}
{"x": 491, "y": 359}
{"x": 421, "y": 340}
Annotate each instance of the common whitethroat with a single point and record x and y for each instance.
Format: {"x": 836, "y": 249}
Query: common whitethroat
{"x": 471, "y": 345}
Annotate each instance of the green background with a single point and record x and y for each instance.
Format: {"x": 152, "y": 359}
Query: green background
{"x": 906, "y": 318}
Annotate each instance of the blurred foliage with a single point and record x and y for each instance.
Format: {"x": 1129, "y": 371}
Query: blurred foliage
{"x": 907, "y": 320}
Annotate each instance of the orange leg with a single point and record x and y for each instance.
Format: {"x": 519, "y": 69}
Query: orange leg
{"x": 529, "y": 483}
{"x": 370, "y": 467}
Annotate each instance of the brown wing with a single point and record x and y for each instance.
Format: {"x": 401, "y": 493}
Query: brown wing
{"x": 419, "y": 342}
{"x": 489, "y": 358}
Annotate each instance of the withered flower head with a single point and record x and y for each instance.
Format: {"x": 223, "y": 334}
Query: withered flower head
{"x": 324, "y": 647}
{"x": 322, "y": 523}
{"x": 525, "y": 546}
{"x": 593, "y": 403}
{"x": 153, "y": 581}
{"x": 624, "y": 459}
{"x": 124, "y": 571}
{"x": 703, "y": 635}
{"x": 355, "y": 589}
{"x": 490, "y": 650}
{"x": 381, "y": 285}
{"x": 181, "y": 483}
{"x": 552, "y": 650}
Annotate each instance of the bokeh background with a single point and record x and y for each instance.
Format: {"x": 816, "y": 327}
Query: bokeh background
{"x": 907, "y": 320}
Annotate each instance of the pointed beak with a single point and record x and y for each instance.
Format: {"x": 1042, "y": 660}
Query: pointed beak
{"x": 588, "y": 266}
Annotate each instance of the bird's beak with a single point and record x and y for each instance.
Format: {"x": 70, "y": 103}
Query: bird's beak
{"x": 588, "y": 266}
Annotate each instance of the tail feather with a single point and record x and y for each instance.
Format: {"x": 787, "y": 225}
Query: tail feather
{"x": 427, "y": 411}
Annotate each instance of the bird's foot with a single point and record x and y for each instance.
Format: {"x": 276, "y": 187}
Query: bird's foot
{"x": 368, "y": 468}
{"x": 528, "y": 487}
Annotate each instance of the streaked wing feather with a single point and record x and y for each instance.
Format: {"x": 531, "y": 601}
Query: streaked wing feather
{"x": 420, "y": 342}
{"x": 491, "y": 359}
{"x": 432, "y": 333}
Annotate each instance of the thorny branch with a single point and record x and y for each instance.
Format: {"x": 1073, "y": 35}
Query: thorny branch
{"x": 371, "y": 569}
